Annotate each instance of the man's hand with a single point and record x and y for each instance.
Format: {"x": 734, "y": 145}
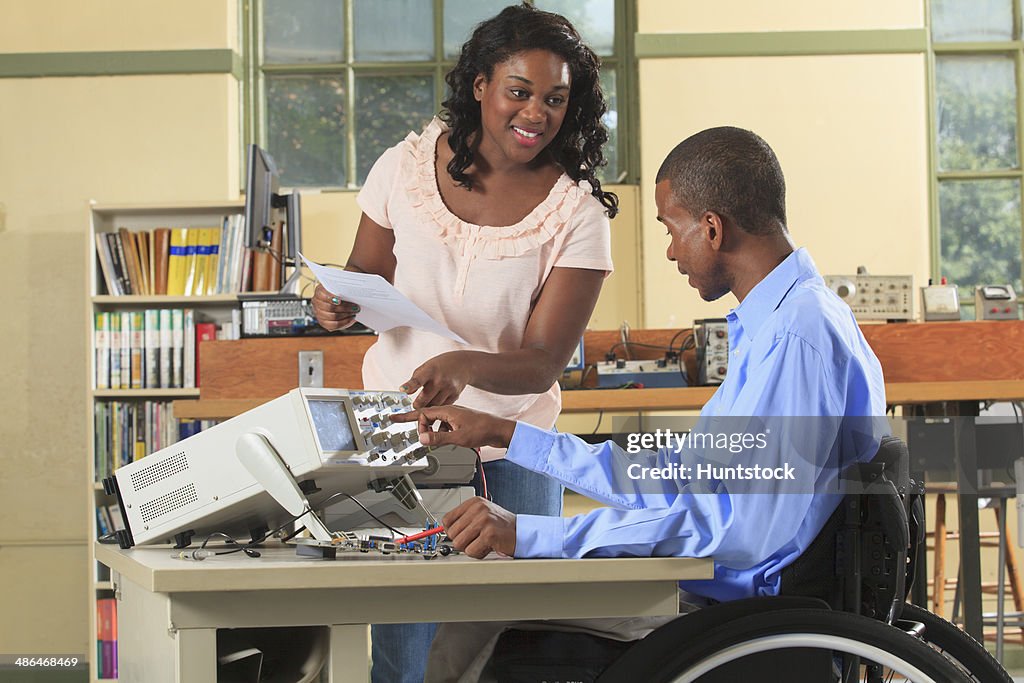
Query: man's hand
{"x": 442, "y": 379}
{"x": 478, "y": 527}
{"x": 460, "y": 427}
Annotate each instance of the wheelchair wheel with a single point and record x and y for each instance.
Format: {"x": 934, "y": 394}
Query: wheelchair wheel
{"x": 885, "y": 652}
{"x": 955, "y": 644}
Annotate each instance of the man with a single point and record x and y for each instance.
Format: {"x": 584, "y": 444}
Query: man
{"x": 795, "y": 353}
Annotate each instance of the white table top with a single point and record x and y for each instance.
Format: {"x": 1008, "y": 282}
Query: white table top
{"x": 156, "y": 570}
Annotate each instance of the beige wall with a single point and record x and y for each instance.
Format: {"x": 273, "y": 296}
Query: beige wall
{"x": 725, "y": 16}
{"x": 64, "y": 141}
{"x": 107, "y": 25}
{"x": 850, "y": 132}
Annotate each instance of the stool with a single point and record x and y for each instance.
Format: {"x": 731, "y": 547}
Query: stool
{"x": 1007, "y": 564}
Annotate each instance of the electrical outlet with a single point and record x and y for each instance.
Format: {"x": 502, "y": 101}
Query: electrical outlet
{"x": 311, "y": 369}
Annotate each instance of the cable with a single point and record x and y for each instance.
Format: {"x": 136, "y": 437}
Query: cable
{"x": 248, "y": 547}
{"x": 393, "y": 530}
{"x": 483, "y": 476}
{"x": 600, "y": 416}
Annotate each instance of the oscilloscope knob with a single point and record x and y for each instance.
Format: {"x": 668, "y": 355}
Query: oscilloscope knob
{"x": 846, "y": 289}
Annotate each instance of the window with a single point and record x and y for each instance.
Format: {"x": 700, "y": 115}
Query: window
{"x": 334, "y": 83}
{"x": 978, "y": 54}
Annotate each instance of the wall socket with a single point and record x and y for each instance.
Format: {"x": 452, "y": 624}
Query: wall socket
{"x": 311, "y": 369}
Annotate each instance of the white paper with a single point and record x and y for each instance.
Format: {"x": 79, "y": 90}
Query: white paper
{"x": 381, "y": 306}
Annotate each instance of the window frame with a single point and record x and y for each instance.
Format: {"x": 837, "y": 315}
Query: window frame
{"x": 254, "y": 91}
{"x": 1004, "y": 48}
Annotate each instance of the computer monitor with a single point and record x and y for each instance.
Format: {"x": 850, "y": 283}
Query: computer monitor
{"x": 264, "y": 206}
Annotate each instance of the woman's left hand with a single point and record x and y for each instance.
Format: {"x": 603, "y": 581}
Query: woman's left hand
{"x": 442, "y": 379}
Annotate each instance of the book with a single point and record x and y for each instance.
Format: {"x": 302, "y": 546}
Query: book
{"x": 160, "y": 254}
{"x": 114, "y": 515}
{"x": 102, "y": 525}
{"x": 101, "y": 344}
{"x": 176, "y": 262}
{"x": 177, "y": 348}
{"x": 202, "y": 263}
{"x": 151, "y": 346}
{"x": 139, "y": 430}
{"x": 138, "y": 347}
{"x": 115, "y": 350}
{"x": 142, "y": 243}
{"x": 238, "y": 281}
{"x": 99, "y": 450}
{"x": 165, "y": 362}
{"x": 126, "y": 349}
{"x": 107, "y": 265}
{"x": 204, "y": 332}
{"x": 189, "y": 352}
{"x": 105, "y": 609}
{"x": 131, "y": 255}
{"x": 212, "y": 260}
{"x": 120, "y": 261}
{"x": 191, "y": 246}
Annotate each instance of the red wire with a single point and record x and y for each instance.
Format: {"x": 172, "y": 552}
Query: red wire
{"x": 417, "y": 536}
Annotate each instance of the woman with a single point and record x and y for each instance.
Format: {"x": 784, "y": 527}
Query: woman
{"x": 493, "y": 221}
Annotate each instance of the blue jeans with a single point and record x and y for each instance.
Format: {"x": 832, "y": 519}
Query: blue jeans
{"x": 399, "y": 651}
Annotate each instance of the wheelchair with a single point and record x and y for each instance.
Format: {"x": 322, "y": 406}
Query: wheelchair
{"x": 841, "y": 615}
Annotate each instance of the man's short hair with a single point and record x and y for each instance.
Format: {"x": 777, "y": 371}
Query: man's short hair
{"x": 732, "y": 172}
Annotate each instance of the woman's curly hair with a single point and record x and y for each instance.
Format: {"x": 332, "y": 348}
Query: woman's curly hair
{"x": 518, "y": 28}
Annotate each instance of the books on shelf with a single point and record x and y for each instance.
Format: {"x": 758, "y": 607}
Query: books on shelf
{"x": 178, "y": 261}
{"x": 106, "y": 637}
{"x": 160, "y": 253}
{"x": 101, "y": 346}
{"x": 126, "y": 431}
{"x": 152, "y": 348}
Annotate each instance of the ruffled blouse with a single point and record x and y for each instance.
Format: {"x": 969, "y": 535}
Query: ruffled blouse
{"x": 480, "y": 281}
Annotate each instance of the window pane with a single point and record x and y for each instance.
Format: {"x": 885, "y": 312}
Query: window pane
{"x": 594, "y": 19}
{"x": 306, "y": 129}
{"x": 387, "y": 108}
{"x": 379, "y": 37}
{"x": 611, "y": 122}
{"x": 461, "y": 17}
{"x": 303, "y": 31}
{"x": 971, "y": 20}
{"x": 980, "y": 233}
{"x": 976, "y": 113}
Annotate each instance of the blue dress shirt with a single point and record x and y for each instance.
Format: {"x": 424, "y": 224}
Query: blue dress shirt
{"x": 795, "y": 352}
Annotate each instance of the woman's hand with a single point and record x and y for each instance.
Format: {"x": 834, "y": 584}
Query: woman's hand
{"x": 332, "y": 312}
{"x": 459, "y": 426}
{"x": 442, "y": 379}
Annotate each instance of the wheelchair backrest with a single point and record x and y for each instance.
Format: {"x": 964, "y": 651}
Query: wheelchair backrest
{"x": 858, "y": 562}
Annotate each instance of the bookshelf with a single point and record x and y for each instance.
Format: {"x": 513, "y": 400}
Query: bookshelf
{"x": 143, "y": 403}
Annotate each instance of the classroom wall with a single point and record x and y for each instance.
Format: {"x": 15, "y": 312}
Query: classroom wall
{"x": 850, "y": 131}
{"x": 63, "y": 142}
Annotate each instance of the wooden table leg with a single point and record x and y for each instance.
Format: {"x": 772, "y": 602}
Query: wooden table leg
{"x": 939, "y": 568}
